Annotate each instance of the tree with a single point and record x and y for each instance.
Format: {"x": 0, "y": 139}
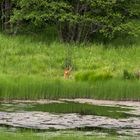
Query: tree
{"x": 80, "y": 20}
{"x": 6, "y": 8}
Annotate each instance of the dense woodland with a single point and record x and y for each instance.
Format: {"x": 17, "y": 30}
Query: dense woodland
{"x": 74, "y": 20}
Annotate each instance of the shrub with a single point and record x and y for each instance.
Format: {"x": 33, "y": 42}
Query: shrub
{"x": 128, "y": 75}
{"x": 92, "y": 76}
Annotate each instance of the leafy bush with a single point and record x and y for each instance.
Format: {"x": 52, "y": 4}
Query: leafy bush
{"x": 128, "y": 75}
{"x": 92, "y": 76}
{"x": 131, "y": 75}
{"x": 80, "y": 20}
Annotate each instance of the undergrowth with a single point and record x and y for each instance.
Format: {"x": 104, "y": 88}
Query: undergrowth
{"x": 31, "y": 87}
{"x": 31, "y": 68}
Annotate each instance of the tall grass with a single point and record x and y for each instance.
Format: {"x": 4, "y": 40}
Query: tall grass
{"x": 30, "y": 55}
{"x": 30, "y": 87}
{"x": 29, "y": 67}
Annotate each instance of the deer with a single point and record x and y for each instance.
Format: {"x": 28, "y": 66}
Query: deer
{"x": 67, "y": 72}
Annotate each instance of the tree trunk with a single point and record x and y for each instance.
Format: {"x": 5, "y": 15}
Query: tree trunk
{"x": 78, "y": 31}
{"x": 6, "y": 13}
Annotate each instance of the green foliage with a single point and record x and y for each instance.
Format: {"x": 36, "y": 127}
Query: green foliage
{"x": 131, "y": 75}
{"x": 80, "y": 20}
{"x": 128, "y": 75}
{"x": 92, "y": 76}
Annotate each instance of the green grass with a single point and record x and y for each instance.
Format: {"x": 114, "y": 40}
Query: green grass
{"x": 32, "y": 137}
{"x": 70, "y": 107}
{"x": 32, "y": 87}
{"x": 30, "y": 67}
{"x": 5, "y": 135}
{"x": 30, "y": 55}
{"x": 82, "y": 109}
{"x": 29, "y": 87}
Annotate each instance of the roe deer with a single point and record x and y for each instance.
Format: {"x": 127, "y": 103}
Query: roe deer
{"x": 67, "y": 72}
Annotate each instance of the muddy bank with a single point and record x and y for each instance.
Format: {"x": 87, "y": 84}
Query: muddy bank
{"x": 134, "y": 105}
{"x": 44, "y": 120}
{"x": 90, "y": 101}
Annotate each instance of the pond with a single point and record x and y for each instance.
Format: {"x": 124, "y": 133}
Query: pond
{"x": 69, "y": 118}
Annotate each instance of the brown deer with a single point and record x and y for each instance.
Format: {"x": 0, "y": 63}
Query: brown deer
{"x": 67, "y": 72}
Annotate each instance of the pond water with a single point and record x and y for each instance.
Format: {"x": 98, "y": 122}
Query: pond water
{"x": 44, "y": 118}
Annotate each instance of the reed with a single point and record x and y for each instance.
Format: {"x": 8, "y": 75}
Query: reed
{"x": 35, "y": 87}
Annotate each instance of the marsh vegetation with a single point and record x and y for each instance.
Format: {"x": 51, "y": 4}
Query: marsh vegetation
{"x": 31, "y": 69}
{"x": 70, "y": 107}
{"x": 58, "y": 135}
{"x": 58, "y": 121}
{"x": 63, "y": 50}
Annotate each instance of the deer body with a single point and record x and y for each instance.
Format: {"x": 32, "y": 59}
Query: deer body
{"x": 67, "y": 72}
